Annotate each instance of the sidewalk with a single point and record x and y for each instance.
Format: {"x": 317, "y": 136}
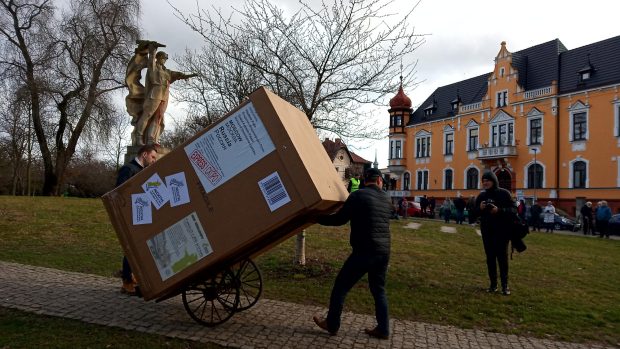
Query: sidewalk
{"x": 269, "y": 324}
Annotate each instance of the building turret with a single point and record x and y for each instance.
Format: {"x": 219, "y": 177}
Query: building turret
{"x": 400, "y": 113}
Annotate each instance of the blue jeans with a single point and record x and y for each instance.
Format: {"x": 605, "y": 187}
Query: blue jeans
{"x": 354, "y": 268}
{"x": 126, "y": 271}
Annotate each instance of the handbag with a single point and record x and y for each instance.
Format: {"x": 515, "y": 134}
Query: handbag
{"x": 518, "y": 231}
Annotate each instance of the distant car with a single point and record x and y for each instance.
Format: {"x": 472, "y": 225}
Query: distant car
{"x": 562, "y": 223}
{"x": 614, "y": 224}
{"x": 414, "y": 209}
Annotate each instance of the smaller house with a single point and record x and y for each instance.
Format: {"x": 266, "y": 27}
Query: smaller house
{"x": 346, "y": 162}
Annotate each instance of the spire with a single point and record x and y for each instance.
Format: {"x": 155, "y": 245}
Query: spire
{"x": 376, "y": 163}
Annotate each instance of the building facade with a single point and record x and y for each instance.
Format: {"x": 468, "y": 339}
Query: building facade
{"x": 346, "y": 162}
{"x": 546, "y": 120}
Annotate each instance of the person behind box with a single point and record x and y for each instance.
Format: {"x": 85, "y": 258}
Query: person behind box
{"x": 495, "y": 206}
{"x": 369, "y": 210}
{"x": 354, "y": 183}
{"x": 147, "y": 155}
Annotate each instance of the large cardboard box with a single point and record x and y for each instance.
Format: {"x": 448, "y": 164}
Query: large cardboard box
{"x": 234, "y": 190}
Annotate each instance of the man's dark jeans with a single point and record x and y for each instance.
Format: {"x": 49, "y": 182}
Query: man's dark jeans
{"x": 496, "y": 250}
{"x": 352, "y": 271}
{"x": 126, "y": 271}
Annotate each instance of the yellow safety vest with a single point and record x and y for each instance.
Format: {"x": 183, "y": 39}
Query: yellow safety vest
{"x": 355, "y": 184}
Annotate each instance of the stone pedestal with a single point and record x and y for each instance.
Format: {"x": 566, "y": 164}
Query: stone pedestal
{"x": 132, "y": 152}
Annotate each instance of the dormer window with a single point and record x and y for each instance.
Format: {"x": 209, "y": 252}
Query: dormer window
{"x": 501, "y": 72}
{"x": 586, "y": 72}
{"x": 455, "y": 105}
{"x": 430, "y": 110}
{"x": 585, "y": 76}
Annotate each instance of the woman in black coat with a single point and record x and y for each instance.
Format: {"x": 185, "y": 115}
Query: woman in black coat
{"x": 495, "y": 208}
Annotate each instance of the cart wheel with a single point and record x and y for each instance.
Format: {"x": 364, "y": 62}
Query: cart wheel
{"x": 250, "y": 283}
{"x": 213, "y": 301}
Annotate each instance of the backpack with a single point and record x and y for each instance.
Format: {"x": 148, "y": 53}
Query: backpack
{"x": 518, "y": 231}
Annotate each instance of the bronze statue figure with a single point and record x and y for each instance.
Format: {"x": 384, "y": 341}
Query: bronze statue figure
{"x": 147, "y": 104}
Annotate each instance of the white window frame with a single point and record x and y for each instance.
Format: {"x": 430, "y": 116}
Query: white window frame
{"x": 426, "y": 137}
{"x": 501, "y": 118}
{"x": 448, "y": 130}
{"x": 423, "y": 185}
{"x": 444, "y": 186}
{"x": 501, "y": 99}
{"x": 472, "y": 125}
{"x": 578, "y": 108}
{"x": 465, "y": 177}
{"x": 570, "y": 173}
{"x": 533, "y": 115}
{"x": 526, "y": 174}
{"x": 402, "y": 182}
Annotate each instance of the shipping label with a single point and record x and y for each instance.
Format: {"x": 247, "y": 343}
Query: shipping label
{"x": 274, "y": 191}
{"x": 232, "y": 146}
{"x": 141, "y": 209}
{"x": 179, "y": 246}
{"x": 177, "y": 188}
{"x": 157, "y": 190}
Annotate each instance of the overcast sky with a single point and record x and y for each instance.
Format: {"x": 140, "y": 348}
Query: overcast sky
{"x": 463, "y": 37}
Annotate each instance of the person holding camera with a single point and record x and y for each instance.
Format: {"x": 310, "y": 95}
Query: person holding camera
{"x": 495, "y": 207}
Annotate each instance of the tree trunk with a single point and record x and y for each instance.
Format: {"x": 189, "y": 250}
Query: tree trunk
{"x": 300, "y": 248}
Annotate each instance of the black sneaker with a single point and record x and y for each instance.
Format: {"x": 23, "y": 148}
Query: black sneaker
{"x": 506, "y": 291}
{"x": 492, "y": 289}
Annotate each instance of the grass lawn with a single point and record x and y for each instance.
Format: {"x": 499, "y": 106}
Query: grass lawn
{"x": 564, "y": 287}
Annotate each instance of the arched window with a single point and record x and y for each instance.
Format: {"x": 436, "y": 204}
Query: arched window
{"x": 472, "y": 178}
{"x": 406, "y": 181}
{"x": 534, "y": 176}
{"x": 579, "y": 174}
{"x": 448, "y": 179}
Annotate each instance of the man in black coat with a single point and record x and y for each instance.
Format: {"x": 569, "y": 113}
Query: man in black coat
{"x": 495, "y": 208}
{"x": 147, "y": 155}
{"x": 587, "y": 217}
{"x": 369, "y": 210}
{"x": 535, "y": 212}
{"x": 459, "y": 205}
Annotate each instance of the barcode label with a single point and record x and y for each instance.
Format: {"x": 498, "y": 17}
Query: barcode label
{"x": 274, "y": 192}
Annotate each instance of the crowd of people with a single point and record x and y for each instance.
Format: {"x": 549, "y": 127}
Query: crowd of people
{"x": 594, "y": 220}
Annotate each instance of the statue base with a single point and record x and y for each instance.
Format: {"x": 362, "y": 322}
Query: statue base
{"x": 132, "y": 152}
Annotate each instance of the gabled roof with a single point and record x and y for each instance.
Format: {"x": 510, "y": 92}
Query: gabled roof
{"x": 470, "y": 91}
{"x": 332, "y": 148}
{"x": 358, "y": 159}
{"x": 604, "y": 59}
{"x": 537, "y": 66}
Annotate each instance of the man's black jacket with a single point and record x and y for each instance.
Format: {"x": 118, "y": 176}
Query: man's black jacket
{"x": 128, "y": 171}
{"x": 369, "y": 210}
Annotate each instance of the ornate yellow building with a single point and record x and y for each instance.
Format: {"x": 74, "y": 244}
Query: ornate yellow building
{"x": 546, "y": 120}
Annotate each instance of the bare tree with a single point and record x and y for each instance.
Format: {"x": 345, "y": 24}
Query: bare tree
{"x": 327, "y": 61}
{"x": 73, "y": 63}
{"x": 14, "y": 132}
{"x": 118, "y": 140}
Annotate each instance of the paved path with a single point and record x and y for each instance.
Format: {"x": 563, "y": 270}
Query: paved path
{"x": 269, "y": 324}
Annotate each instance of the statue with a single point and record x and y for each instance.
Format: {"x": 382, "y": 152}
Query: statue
{"x": 146, "y": 105}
